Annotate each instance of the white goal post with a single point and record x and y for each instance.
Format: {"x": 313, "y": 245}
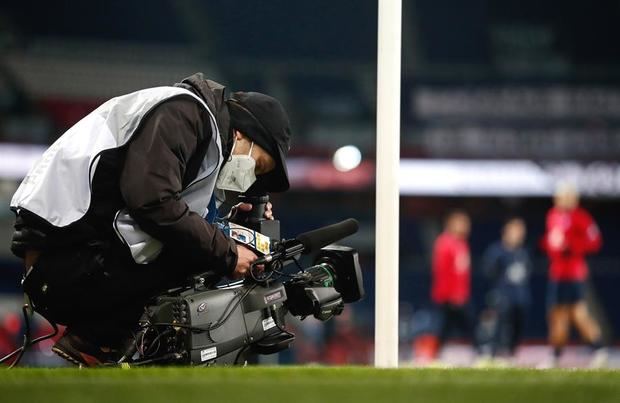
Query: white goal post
{"x": 387, "y": 187}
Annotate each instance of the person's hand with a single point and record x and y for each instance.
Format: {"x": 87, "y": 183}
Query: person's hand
{"x": 245, "y": 258}
{"x": 557, "y": 240}
{"x": 268, "y": 211}
{"x": 247, "y": 207}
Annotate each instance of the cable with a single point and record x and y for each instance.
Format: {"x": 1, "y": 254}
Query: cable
{"x": 164, "y": 357}
{"x": 156, "y": 339}
{"x": 298, "y": 264}
{"x": 241, "y": 351}
{"x": 27, "y": 342}
{"x": 278, "y": 271}
{"x": 223, "y": 319}
{"x": 275, "y": 320}
{"x": 26, "y": 337}
{"x": 262, "y": 279}
{"x": 214, "y": 325}
{"x": 130, "y": 350}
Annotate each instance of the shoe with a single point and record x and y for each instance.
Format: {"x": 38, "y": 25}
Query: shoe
{"x": 600, "y": 357}
{"x": 548, "y": 363}
{"x": 82, "y": 353}
{"x": 438, "y": 364}
{"x": 483, "y": 361}
{"x": 488, "y": 362}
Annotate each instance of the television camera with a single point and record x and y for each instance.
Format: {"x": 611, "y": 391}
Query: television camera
{"x": 207, "y": 323}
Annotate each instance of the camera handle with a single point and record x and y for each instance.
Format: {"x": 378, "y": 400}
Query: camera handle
{"x": 257, "y": 214}
{"x": 255, "y": 218}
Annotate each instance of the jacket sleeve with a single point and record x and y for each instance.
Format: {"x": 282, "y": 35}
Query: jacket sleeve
{"x": 586, "y": 235}
{"x": 553, "y": 249}
{"x": 443, "y": 260}
{"x": 490, "y": 263}
{"x": 157, "y": 160}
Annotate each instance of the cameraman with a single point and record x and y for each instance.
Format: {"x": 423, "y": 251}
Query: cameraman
{"x": 120, "y": 207}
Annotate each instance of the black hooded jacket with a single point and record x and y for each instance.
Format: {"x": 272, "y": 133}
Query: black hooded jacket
{"x": 147, "y": 176}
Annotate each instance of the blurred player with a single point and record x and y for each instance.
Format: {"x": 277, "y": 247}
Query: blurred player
{"x": 451, "y": 276}
{"x": 571, "y": 234}
{"x": 507, "y": 264}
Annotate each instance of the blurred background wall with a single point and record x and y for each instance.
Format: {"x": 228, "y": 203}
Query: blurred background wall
{"x": 530, "y": 86}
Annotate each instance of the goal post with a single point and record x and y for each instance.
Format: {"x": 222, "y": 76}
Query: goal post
{"x": 387, "y": 186}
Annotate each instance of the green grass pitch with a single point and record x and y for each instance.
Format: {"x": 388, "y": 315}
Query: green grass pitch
{"x": 307, "y": 384}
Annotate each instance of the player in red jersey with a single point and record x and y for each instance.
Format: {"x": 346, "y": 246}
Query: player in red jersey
{"x": 451, "y": 276}
{"x": 570, "y": 235}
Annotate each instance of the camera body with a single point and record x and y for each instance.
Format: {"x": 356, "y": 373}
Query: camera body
{"x": 206, "y": 324}
{"x": 216, "y": 325}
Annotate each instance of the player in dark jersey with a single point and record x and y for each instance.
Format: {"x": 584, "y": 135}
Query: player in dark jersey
{"x": 507, "y": 265}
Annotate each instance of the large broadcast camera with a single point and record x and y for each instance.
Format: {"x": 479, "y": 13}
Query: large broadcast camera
{"x": 205, "y": 323}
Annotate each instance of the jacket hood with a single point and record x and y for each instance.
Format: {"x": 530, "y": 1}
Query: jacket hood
{"x": 213, "y": 93}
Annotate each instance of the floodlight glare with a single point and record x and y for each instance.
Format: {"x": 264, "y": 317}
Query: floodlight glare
{"x": 347, "y": 158}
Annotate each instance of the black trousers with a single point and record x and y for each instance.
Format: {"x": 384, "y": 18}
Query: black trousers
{"x": 456, "y": 317}
{"x": 97, "y": 291}
{"x": 509, "y": 328}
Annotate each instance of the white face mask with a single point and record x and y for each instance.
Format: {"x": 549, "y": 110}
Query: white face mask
{"x": 237, "y": 174}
